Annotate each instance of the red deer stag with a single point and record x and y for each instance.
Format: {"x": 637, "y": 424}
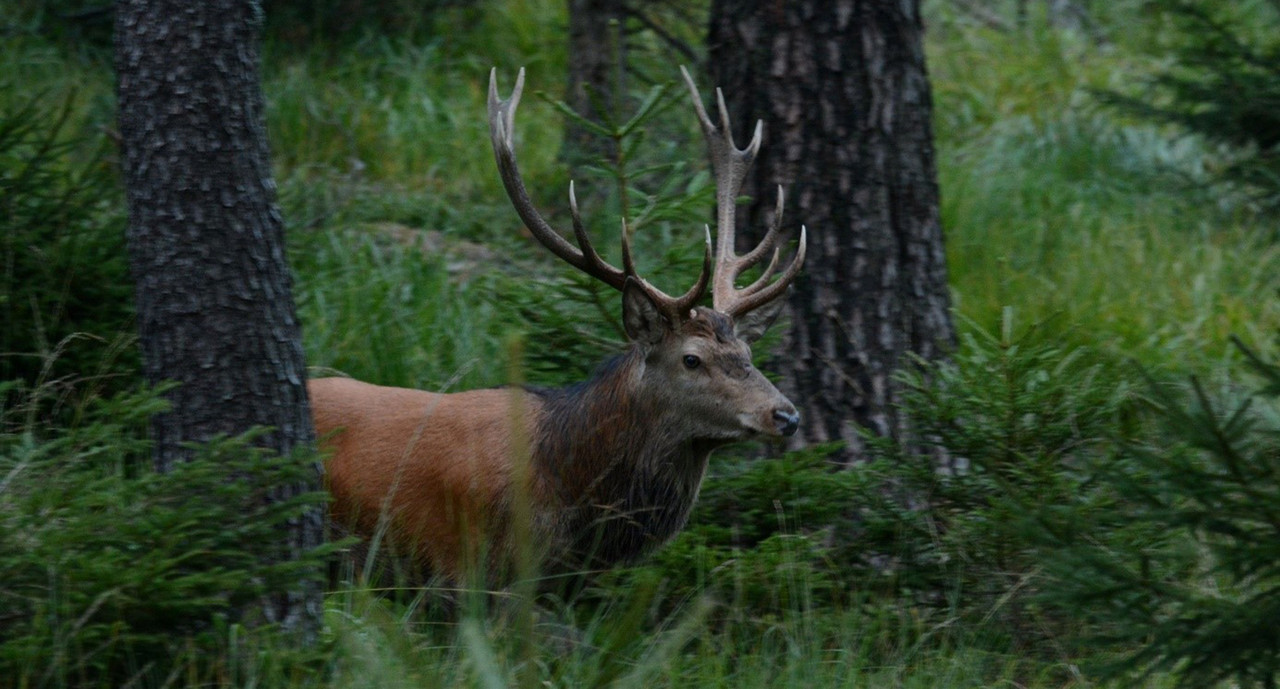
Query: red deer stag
{"x": 615, "y": 462}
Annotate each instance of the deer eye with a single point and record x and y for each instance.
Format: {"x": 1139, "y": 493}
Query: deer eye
{"x": 691, "y": 361}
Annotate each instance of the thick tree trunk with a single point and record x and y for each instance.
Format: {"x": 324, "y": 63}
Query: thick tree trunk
{"x": 206, "y": 245}
{"x": 842, "y": 89}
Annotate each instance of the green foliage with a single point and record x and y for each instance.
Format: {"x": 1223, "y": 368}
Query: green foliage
{"x": 66, "y": 298}
{"x": 1108, "y": 233}
{"x": 1183, "y": 563}
{"x": 694, "y": 643}
{"x": 80, "y": 24}
{"x": 1223, "y": 84}
{"x": 378, "y": 307}
{"x": 111, "y": 572}
{"x": 761, "y": 536}
{"x": 399, "y": 125}
{"x": 1018, "y": 422}
{"x": 74, "y": 24}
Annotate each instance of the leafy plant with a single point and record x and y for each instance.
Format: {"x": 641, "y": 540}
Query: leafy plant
{"x": 1184, "y": 564}
{"x": 1224, "y": 85}
{"x": 1019, "y": 422}
{"x": 66, "y": 298}
{"x": 763, "y": 535}
{"x": 110, "y": 572}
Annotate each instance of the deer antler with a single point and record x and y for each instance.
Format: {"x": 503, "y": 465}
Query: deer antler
{"x": 501, "y": 131}
{"x": 730, "y": 165}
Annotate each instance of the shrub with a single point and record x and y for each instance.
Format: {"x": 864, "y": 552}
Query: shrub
{"x": 111, "y": 572}
{"x": 1184, "y": 564}
{"x": 762, "y": 535}
{"x": 1021, "y": 422}
{"x": 1224, "y": 85}
{"x": 66, "y": 298}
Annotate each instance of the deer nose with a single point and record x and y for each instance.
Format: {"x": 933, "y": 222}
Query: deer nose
{"x": 788, "y": 421}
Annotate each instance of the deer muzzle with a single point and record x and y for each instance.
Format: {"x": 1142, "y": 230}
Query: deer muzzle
{"x": 786, "y": 421}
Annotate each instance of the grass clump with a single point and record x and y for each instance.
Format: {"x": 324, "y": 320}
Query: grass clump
{"x": 1108, "y": 232}
{"x": 380, "y": 308}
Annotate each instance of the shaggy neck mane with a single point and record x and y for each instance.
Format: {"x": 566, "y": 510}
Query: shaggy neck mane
{"x": 612, "y": 459}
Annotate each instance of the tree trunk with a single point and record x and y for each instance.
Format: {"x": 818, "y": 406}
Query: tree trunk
{"x": 597, "y": 69}
{"x": 206, "y": 245}
{"x": 842, "y": 89}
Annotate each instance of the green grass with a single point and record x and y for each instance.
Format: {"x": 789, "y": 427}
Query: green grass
{"x": 380, "y": 644}
{"x": 1098, "y": 229}
{"x": 1102, "y": 228}
{"x": 377, "y": 311}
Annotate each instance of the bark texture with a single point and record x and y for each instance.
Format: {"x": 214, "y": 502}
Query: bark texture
{"x": 206, "y": 244}
{"x": 844, "y": 95}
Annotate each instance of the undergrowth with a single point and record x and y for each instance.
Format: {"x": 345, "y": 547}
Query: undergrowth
{"x": 113, "y": 573}
{"x": 1084, "y": 247}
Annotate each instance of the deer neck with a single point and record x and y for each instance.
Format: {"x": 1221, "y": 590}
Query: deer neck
{"x": 608, "y": 451}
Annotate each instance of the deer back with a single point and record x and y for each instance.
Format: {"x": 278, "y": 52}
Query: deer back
{"x": 429, "y": 473}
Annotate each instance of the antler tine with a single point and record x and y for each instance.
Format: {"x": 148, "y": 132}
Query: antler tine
{"x": 501, "y": 132}
{"x": 764, "y": 276}
{"x": 768, "y": 243}
{"x": 628, "y": 261}
{"x": 590, "y": 255}
{"x": 676, "y": 308}
{"x": 762, "y": 284}
{"x": 690, "y": 299}
{"x": 754, "y": 297}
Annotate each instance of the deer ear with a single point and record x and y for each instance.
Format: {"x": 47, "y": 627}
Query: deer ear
{"x": 643, "y": 320}
{"x": 753, "y": 324}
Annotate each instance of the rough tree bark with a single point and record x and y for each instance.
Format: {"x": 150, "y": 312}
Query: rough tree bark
{"x": 206, "y": 244}
{"x": 842, "y": 89}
